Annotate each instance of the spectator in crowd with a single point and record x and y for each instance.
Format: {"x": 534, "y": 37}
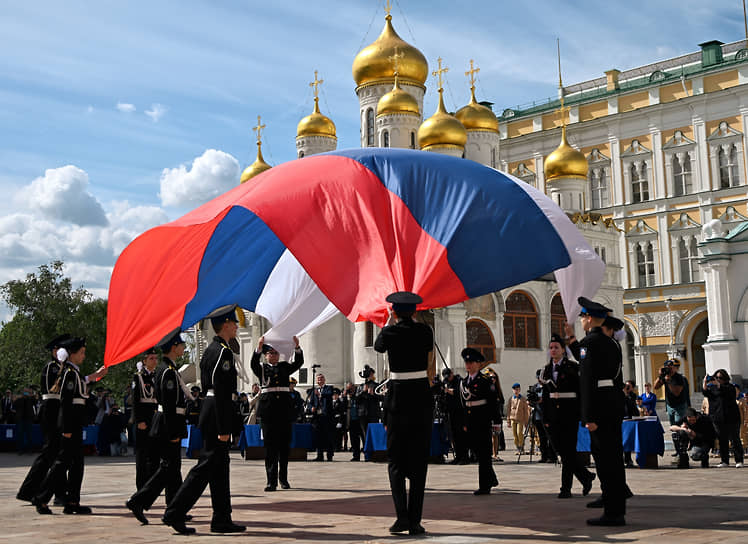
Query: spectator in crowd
{"x": 23, "y": 407}
{"x": 743, "y": 406}
{"x": 244, "y": 408}
{"x": 369, "y": 405}
{"x": 103, "y": 408}
{"x": 9, "y": 412}
{"x": 194, "y": 405}
{"x": 320, "y": 406}
{"x": 355, "y": 423}
{"x": 455, "y": 416}
{"x": 677, "y": 397}
{"x": 630, "y": 410}
{"x": 695, "y": 432}
{"x": 369, "y": 377}
{"x": 547, "y": 455}
{"x": 724, "y": 413}
{"x": 113, "y": 427}
{"x": 649, "y": 400}
{"x": 339, "y": 409}
{"x": 254, "y": 397}
{"x": 297, "y": 403}
{"x": 517, "y": 416}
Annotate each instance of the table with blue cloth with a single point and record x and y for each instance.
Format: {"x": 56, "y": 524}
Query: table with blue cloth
{"x": 193, "y": 442}
{"x": 376, "y": 440}
{"x": 8, "y": 435}
{"x": 252, "y": 445}
{"x": 643, "y": 437}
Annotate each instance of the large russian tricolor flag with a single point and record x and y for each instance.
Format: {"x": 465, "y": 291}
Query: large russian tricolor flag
{"x": 339, "y": 232}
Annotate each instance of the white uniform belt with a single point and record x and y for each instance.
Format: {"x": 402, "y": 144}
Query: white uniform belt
{"x": 51, "y": 396}
{"x": 472, "y": 403}
{"x": 569, "y": 395}
{"x": 178, "y": 410}
{"x": 415, "y": 375}
{"x": 605, "y": 383}
{"x": 148, "y": 401}
{"x": 275, "y": 390}
{"x": 210, "y": 393}
{"x": 79, "y": 401}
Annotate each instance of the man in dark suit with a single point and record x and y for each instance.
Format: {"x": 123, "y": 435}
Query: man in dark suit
{"x": 320, "y": 406}
{"x": 409, "y": 408}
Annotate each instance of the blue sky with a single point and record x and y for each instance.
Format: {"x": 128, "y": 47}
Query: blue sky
{"x": 109, "y": 110}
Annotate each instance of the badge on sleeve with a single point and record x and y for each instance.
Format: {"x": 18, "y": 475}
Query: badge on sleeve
{"x": 170, "y": 385}
{"x": 70, "y": 385}
{"x": 226, "y": 365}
{"x": 582, "y": 353}
{"x": 133, "y": 385}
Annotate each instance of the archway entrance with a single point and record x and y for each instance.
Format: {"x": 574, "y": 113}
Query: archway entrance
{"x": 698, "y": 360}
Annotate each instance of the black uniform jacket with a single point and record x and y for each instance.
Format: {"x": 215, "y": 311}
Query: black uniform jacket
{"x": 407, "y": 344}
{"x": 169, "y": 423}
{"x": 276, "y": 404}
{"x": 73, "y": 397}
{"x": 479, "y": 388}
{"x": 600, "y": 361}
{"x": 51, "y": 383}
{"x": 567, "y": 381}
{"x": 218, "y": 374}
{"x": 144, "y": 401}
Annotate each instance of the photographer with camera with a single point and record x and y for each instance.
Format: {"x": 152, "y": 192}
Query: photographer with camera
{"x": 695, "y": 432}
{"x": 677, "y": 398}
{"x": 724, "y": 413}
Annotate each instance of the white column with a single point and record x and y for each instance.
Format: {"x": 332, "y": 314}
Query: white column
{"x": 616, "y": 178}
{"x": 658, "y": 166}
{"x": 702, "y": 156}
{"x": 666, "y": 256}
{"x": 717, "y": 299}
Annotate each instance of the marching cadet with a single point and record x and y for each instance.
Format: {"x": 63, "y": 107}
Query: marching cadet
{"x": 218, "y": 375}
{"x": 67, "y": 470}
{"x": 409, "y": 408}
{"x": 479, "y": 396}
{"x": 144, "y": 406}
{"x": 167, "y": 429}
{"x": 560, "y": 379}
{"x": 50, "y": 391}
{"x": 275, "y": 409}
{"x": 601, "y": 402}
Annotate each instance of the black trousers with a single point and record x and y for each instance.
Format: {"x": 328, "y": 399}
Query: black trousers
{"x": 146, "y": 456}
{"x": 276, "y": 433}
{"x": 458, "y": 436}
{"x": 607, "y": 449}
{"x": 212, "y": 469}
{"x": 357, "y": 436}
{"x": 563, "y": 435}
{"x": 408, "y": 445}
{"x": 726, "y": 433}
{"x": 168, "y": 476}
{"x": 324, "y": 430}
{"x": 481, "y": 443}
{"x": 38, "y": 471}
{"x": 66, "y": 472}
{"x": 546, "y": 450}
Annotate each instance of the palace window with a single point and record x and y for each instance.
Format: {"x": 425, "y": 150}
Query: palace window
{"x": 645, "y": 264}
{"x": 558, "y": 316}
{"x": 729, "y": 175}
{"x": 493, "y": 157}
{"x": 599, "y": 188}
{"x": 688, "y": 257}
{"x": 520, "y": 322}
{"x": 301, "y": 154}
{"x": 386, "y": 139}
{"x": 368, "y": 334}
{"x": 639, "y": 182}
{"x": 412, "y": 140}
{"x": 682, "y": 181}
{"x": 370, "y": 127}
{"x": 479, "y": 337}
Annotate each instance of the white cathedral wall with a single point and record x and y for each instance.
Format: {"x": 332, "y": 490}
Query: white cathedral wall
{"x": 479, "y": 145}
{"x": 311, "y": 145}
{"x": 400, "y": 126}
{"x": 368, "y": 97}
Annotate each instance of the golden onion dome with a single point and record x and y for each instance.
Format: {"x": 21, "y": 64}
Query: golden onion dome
{"x": 373, "y": 63}
{"x": 397, "y": 101}
{"x": 476, "y": 116}
{"x": 565, "y": 162}
{"x": 441, "y": 129}
{"x": 257, "y": 167}
{"x": 316, "y": 124}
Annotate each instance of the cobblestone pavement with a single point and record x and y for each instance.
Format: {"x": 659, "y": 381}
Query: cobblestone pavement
{"x": 342, "y": 502}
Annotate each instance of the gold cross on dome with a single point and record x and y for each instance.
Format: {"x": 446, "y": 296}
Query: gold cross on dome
{"x": 471, "y": 73}
{"x": 387, "y": 8}
{"x": 315, "y": 84}
{"x": 438, "y": 73}
{"x": 258, "y": 128}
{"x": 395, "y": 59}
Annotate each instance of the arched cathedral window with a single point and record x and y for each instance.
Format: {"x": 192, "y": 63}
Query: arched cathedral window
{"x": 370, "y": 127}
{"x": 385, "y": 139}
{"x": 520, "y": 322}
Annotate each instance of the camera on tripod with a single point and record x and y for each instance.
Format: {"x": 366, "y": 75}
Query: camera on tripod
{"x": 532, "y": 396}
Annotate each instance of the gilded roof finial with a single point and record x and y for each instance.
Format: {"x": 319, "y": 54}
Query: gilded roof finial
{"x": 563, "y": 109}
{"x": 387, "y": 9}
{"x": 315, "y": 85}
{"x": 258, "y": 130}
{"x": 471, "y": 74}
{"x": 438, "y": 73}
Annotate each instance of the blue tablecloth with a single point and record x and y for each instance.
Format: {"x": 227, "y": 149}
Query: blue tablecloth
{"x": 301, "y": 437}
{"x": 8, "y": 434}
{"x": 639, "y": 436}
{"x": 194, "y": 440}
{"x": 376, "y": 440}
{"x": 90, "y": 435}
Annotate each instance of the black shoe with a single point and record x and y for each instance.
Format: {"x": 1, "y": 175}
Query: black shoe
{"x": 605, "y": 521}
{"x": 416, "y": 529}
{"x": 495, "y": 482}
{"x": 318, "y": 458}
{"x": 137, "y": 511}
{"x": 41, "y": 508}
{"x": 597, "y": 503}
{"x": 285, "y": 484}
{"x": 228, "y": 527}
{"x": 629, "y": 493}
{"x": 76, "y": 509}
{"x": 188, "y": 517}
{"x": 564, "y": 495}
{"x": 24, "y": 498}
{"x": 355, "y": 459}
{"x": 399, "y": 527}
{"x": 178, "y": 526}
{"x": 482, "y": 491}
{"x": 58, "y": 502}
{"x": 464, "y": 462}
{"x": 454, "y": 461}
{"x": 587, "y": 486}
{"x": 270, "y": 488}
{"x": 329, "y": 459}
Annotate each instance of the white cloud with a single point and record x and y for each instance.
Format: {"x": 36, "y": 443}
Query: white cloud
{"x": 212, "y": 174}
{"x": 61, "y": 194}
{"x": 89, "y": 109}
{"x": 125, "y": 107}
{"x": 156, "y": 112}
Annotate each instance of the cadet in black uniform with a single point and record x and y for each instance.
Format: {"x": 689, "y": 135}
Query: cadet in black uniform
{"x": 168, "y": 427}
{"x": 601, "y": 397}
{"x": 67, "y": 469}
{"x": 479, "y": 395}
{"x": 50, "y": 390}
{"x": 409, "y": 408}
{"x": 276, "y": 408}
{"x": 218, "y": 375}
{"x": 144, "y": 406}
{"x": 561, "y": 415}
